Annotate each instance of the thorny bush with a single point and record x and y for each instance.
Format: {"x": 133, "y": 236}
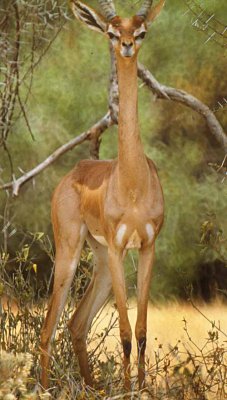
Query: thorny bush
{"x": 186, "y": 371}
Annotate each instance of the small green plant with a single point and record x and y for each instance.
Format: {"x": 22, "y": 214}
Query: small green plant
{"x": 212, "y": 238}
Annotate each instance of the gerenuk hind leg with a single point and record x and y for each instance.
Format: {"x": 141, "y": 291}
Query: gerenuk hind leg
{"x": 93, "y": 299}
{"x": 70, "y": 233}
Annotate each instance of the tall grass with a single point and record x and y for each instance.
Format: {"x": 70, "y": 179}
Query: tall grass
{"x": 178, "y": 366}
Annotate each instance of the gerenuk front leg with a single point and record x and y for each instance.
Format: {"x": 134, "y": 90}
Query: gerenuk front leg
{"x": 146, "y": 258}
{"x": 118, "y": 282}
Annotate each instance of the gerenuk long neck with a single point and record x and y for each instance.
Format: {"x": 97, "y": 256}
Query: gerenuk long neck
{"x": 132, "y": 164}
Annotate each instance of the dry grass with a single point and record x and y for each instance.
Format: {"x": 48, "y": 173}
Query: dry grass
{"x": 186, "y": 348}
{"x": 166, "y": 324}
{"x": 186, "y": 354}
{"x": 183, "y": 341}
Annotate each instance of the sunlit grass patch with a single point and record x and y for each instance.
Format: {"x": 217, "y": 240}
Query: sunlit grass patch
{"x": 186, "y": 355}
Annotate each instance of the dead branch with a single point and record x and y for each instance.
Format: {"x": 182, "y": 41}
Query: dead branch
{"x": 113, "y": 106}
{"x": 180, "y": 96}
{"x": 96, "y": 129}
{"x": 94, "y": 133}
{"x": 113, "y": 89}
{"x": 26, "y": 34}
{"x": 207, "y": 23}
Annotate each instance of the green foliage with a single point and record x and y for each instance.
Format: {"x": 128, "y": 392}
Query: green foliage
{"x": 191, "y": 193}
{"x": 69, "y": 93}
{"x": 212, "y": 240}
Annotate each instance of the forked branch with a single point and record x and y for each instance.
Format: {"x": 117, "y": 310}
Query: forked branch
{"x": 97, "y": 129}
{"x": 94, "y": 133}
{"x": 207, "y": 23}
{"x": 180, "y": 96}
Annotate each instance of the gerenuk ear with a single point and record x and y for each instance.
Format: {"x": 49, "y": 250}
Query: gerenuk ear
{"x": 155, "y": 11}
{"x": 87, "y": 15}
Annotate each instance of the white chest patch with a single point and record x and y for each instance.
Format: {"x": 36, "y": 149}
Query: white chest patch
{"x": 120, "y": 234}
{"x": 101, "y": 240}
{"x": 150, "y": 232}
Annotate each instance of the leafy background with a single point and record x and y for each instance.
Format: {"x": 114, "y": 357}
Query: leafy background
{"x": 69, "y": 94}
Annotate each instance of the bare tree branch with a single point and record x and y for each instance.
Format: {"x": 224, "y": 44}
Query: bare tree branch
{"x": 207, "y": 23}
{"x": 113, "y": 106}
{"x": 93, "y": 134}
{"x": 180, "y": 96}
{"x": 26, "y": 34}
{"x": 113, "y": 90}
{"x": 96, "y": 129}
